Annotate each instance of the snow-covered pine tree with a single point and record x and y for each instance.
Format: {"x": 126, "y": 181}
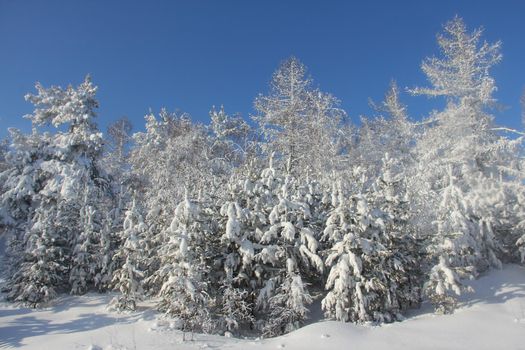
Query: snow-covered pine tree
{"x": 19, "y": 182}
{"x": 184, "y": 268}
{"x": 462, "y": 73}
{"x": 288, "y": 254}
{"x": 37, "y": 252}
{"x": 243, "y": 218}
{"x": 236, "y": 310}
{"x": 238, "y": 265}
{"x": 499, "y": 203}
{"x": 68, "y": 165}
{"x": 389, "y": 195}
{"x": 519, "y": 228}
{"x": 17, "y": 186}
{"x": 172, "y": 155}
{"x": 289, "y": 303}
{"x": 463, "y": 136}
{"x": 344, "y": 301}
{"x": 108, "y": 241}
{"x": 268, "y": 226}
{"x": 491, "y": 201}
{"x": 369, "y": 277}
{"x": 455, "y": 246}
{"x": 86, "y": 261}
{"x": 130, "y": 257}
{"x": 41, "y": 271}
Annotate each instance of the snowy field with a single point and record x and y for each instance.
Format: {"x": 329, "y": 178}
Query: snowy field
{"x": 491, "y": 318}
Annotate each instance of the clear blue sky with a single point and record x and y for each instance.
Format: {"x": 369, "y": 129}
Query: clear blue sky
{"x": 190, "y": 55}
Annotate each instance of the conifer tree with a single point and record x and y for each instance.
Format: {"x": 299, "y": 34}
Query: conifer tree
{"x": 370, "y": 272}
{"x": 63, "y": 165}
{"x": 288, "y": 307}
{"x": 184, "y": 292}
{"x": 42, "y": 267}
{"x": 85, "y": 261}
{"x": 129, "y": 276}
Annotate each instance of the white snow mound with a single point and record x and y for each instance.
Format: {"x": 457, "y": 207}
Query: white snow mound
{"x": 491, "y": 318}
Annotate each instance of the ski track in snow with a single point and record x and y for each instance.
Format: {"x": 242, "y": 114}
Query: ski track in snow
{"x": 491, "y": 318}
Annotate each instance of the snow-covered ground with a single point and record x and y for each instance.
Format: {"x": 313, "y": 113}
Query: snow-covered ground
{"x": 491, "y": 318}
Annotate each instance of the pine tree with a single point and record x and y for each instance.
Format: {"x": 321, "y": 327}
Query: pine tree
{"x": 455, "y": 246}
{"x": 108, "y": 241}
{"x": 184, "y": 292}
{"x": 267, "y": 226}
{"x": 55, "y": 175}
{"x": 390, "y": 196}
{"x": 21, "y": 180}
{"x": 370, "y": 271}
{"x": 289, "y": 254}
{"x": 85, "y": 260}
{"x": 37, "y": 250}
{"x": 128, "y": 277}
{"x": 236, "y": 310}
{"x": 42, "y": 267}
{"x": 238, "y": 265}
{"x": 288, "y": 307}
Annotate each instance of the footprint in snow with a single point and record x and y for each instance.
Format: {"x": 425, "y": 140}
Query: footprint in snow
{"x": 324, "y": 336}
{"x": 280, "y": 346}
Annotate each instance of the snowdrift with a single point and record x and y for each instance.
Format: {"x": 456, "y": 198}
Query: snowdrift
{"x": 491, "y": 318}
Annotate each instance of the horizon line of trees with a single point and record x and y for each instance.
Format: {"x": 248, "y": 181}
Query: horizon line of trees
{"x": 238, "y": 228}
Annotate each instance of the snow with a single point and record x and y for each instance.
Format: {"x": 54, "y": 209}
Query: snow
{"x": 491, "y": 318}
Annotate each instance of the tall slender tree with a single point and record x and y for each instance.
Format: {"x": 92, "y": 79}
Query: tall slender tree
{"x": 298, "y": 121}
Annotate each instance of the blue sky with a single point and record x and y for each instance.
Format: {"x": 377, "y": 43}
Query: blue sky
{"x": 190, "y": 55}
